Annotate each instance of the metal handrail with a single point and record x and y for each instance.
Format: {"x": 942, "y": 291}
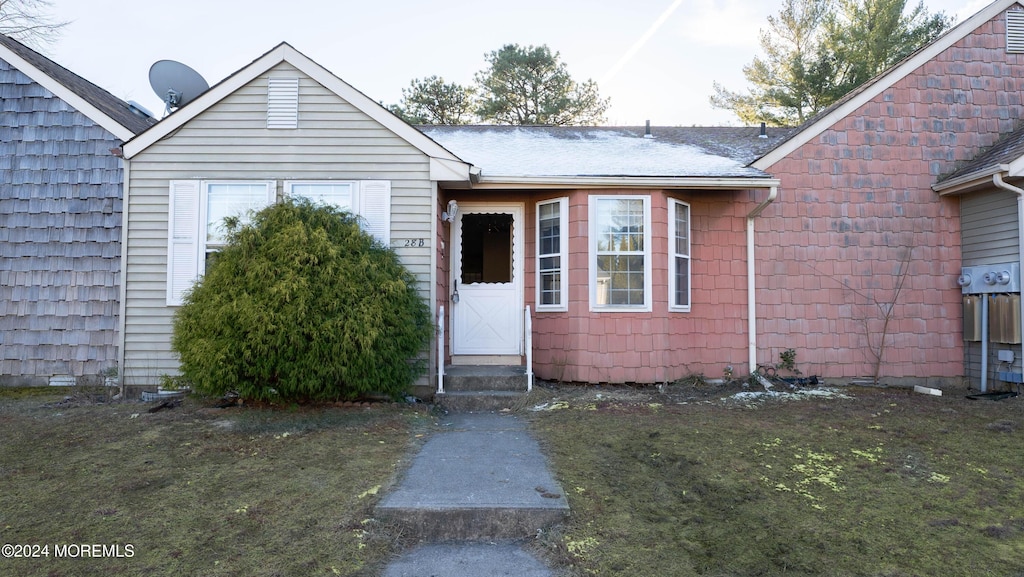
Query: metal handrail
{"x": 528, "y": 329}
{"x": 440, "y": 350}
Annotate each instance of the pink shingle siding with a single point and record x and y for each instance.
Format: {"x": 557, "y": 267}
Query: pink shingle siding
{"x": 657, "y": 346}
{"x": 855, "y": 198}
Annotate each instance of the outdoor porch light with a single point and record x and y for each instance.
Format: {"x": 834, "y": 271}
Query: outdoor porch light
{"x": 453, "y": 209}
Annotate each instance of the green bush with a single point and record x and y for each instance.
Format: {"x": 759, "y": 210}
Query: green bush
{"x": 302, "y": 305}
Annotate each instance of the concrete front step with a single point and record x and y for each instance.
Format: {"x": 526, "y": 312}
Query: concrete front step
{"x": 482, "y": 388}
{"x": 479, "y": 401}
{"x": 484, "y": 378}
{"x": 468, "y": 560}
{"x": 482, "y": 479}
{"x": 473, "y": 524}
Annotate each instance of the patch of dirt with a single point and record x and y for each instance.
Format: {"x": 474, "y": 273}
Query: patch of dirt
{"x": 554, "y": 396}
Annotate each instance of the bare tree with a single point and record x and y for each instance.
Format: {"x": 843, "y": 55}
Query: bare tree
{"x": 881, "y": 311}
{"x": 30, "y": 22}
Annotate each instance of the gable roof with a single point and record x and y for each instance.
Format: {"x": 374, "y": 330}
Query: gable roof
{"x": 102, "y": 107}
{"x": 519, "y": 154}
{"x": 862, "y": 95}
{"x": 444, "y": 164}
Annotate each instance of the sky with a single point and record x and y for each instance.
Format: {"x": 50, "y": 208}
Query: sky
{"x": 656, "y": 60}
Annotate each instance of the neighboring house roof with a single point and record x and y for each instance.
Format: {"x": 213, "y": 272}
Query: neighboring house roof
{"x": 1005, "y": 157}
{"x": 102, "y": 107}
{"x": 521, "y": 153}
{"x": 444, "y": 165}
{"x": 872, "y": 88}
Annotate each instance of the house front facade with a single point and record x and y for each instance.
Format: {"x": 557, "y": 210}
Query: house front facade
{"x": 633, "y": 271}
{"x": 607, "y": 254}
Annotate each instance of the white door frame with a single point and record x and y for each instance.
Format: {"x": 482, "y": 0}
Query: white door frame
{"x": 516, "y": 290}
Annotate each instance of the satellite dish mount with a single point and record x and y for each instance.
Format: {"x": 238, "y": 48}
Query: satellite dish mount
{"x": 176, "y": 84}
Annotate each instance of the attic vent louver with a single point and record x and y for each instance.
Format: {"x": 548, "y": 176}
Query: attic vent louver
{"x": 283, "y": 103}
{"x": 1015, "y": 31}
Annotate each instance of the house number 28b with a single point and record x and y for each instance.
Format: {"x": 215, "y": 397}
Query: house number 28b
{"x": 415, "y": 242}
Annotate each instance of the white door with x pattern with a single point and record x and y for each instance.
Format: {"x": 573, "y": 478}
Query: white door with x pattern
{"x": 487, "y": 279}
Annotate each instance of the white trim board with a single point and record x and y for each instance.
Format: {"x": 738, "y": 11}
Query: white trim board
{"x": 64, "y": 93}
{"x": 284, "y": 52}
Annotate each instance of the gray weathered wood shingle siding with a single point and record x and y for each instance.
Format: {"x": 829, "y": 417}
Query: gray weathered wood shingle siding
{"x": 60, "y": 236}
{"x": 230, "y": 141}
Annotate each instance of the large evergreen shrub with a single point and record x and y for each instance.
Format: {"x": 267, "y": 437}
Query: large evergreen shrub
{"x": 302, "y": 304}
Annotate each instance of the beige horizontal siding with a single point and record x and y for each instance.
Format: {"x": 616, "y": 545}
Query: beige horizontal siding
{"x": 334, "y": 141}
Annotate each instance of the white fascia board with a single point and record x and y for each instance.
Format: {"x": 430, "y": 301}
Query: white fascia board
{"x": 286, "y": 53}
{"x": 368, "y": 106}
{"x": 207, "y": 99}
{"x": 446, "y": 170}
{"x": 884, "y": 82}
{"x": 60, "y": 91}
{"x": 1015, "y": 168}
{"x": 969, "y": 181}
{"x": 542, "y": 182}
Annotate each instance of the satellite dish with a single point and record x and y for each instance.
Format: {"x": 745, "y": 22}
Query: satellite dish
{"x": 175, "y": 83}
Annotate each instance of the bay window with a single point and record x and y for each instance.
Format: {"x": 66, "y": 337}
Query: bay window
{"x": 620, "y": 253}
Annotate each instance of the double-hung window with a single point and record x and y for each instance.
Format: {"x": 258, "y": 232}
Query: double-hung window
{"x": 229, "y": 200}
{"x": 197, "y": 209}
{"x": 370, "y": 200}
{"x": 620, "y": 253}
{"x": 195, "y": 227}
{"x": 679, "y": 255}
{"x": 552, "y": 255}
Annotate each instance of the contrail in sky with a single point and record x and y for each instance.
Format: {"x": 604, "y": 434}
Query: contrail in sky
{"x": 640, "y": 43}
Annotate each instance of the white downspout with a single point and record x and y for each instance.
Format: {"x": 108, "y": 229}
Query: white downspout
{"x": 997, "y": 179}
{"x": 773, "y": 192}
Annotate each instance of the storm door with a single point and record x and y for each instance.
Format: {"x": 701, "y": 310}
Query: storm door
{"x": 487, "y": 283}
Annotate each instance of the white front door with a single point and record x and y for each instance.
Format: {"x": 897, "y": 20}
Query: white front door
{"x": 487, "y": 277}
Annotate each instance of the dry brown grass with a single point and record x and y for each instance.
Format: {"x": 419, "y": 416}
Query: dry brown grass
{"x": 885, "y": 483}
{"x": 197, "y": 490}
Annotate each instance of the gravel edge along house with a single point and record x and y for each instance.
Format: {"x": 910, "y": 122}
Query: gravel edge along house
{"x": 633, "y": 255}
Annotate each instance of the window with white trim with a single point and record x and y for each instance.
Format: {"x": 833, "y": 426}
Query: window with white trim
{"x": 195, "y": 227}
{"x": 620, "y": 253}
{"x": 197, "y": 209}
{"x": 370, "y": 200}
{"x": 234, "y": 200}
{"x": 552, "y": 254}
{"x": 679, "y": 255}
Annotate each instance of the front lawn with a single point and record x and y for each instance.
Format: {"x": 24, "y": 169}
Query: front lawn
{"x": 884, "y": 483}
{"x": 195, "y": 490}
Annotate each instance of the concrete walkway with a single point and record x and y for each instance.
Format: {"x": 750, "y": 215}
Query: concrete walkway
{"x": 483, "y": 480}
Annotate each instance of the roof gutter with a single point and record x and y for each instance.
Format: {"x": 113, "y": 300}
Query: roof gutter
{"x": 773, "y": 193}
{"x": 970, "y": 181}
{"x": 671, "y": 182}
{"x": 997, "y": 180}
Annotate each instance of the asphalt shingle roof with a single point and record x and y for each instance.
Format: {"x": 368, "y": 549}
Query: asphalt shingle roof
{"x": 573, "y": 151}
{"x": 1005, "y": 151}
{"x": 106, "y": 102}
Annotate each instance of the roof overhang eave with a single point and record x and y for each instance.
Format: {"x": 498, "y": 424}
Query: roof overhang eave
{"x": 970, "y": 182}
{"x": 668, "y": 182}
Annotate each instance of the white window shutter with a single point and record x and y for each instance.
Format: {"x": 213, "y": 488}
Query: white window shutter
{"x": 182, "y": 239}
{"x": 375, "y": 208}
{"x": 283, "y": 103}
